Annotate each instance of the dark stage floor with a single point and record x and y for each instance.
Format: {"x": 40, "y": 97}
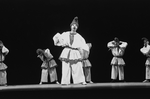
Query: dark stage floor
{"x": 91, "y": 91}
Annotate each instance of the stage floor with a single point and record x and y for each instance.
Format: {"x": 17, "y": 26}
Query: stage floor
{"x": 77, "y": 86}
{"x": 126, "y": 90}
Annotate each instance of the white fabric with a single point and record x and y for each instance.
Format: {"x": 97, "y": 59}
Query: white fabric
{"x": 64, "y": 40}
{"x": 47, "y": 51}
{"x": 44, "y": 75}
{"x": 147, "y": 74}
{"x": 89, "y": 45}
{"x": 147, "y": 61}
{"x": 3, "y": 77}
{"x": 117, "y": 61}
{"x": 52, "y": 73}
{"x": 145, "y": 50}
{"x": 86, "y": 54}
{"x": 123, "y": 44}
{"x": 5, "y": 50}
{"x": 117, "y": 70}
{"x": 110, "y": 44}
{"x": 57, "y": 39}
{"x": 86, "y": 63}
{"x": 75, "y": 70}
{"x": 2, "y": 58}
{"x": 117, "y": 51}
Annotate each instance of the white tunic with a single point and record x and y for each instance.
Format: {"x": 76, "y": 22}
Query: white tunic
{"x": 2, "y": 58}
{"x": 74, "y": 52}
{"x": 117, "y": 52}
{"x": 4, "y": 51}
{"x": 146, "y": 51}
{"x": 86, "y": 62}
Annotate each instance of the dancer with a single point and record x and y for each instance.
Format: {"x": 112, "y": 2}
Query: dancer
{"x": 48, "y": 66}
{"x": 71, "y": 55}
{"x": 117, "y": 47}
{"x": 146, "y": 51}
{"x": 3, "y": 74}
{"x": 87, "y": 65}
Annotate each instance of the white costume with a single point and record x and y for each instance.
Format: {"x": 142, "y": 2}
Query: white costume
{"x": 146, "y": 51}
{"x": 48, "y": 66}
{"x": 117, "y": 61}
{"x": 3, "y": 67}
{"x": 71, "y": 56}
{"x": 87, "y": 64}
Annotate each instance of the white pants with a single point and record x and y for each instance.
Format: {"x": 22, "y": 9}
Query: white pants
{"x": 44, "y": 75}
{"x": 75, "y": 69}
{"x": 3, "y": 77}
{"x": 87, "y": 73}
{"x": 52, "y": 73}
{"x": 117, "y": 70}
{"x": 147, "y": 74}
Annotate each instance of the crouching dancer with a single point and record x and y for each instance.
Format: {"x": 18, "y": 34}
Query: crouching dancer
{"x": 48, "y": 66}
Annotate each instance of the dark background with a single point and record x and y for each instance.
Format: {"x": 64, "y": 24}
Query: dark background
{"x": 26, "y": 25}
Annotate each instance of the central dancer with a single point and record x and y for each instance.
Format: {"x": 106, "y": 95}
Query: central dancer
{"x": 72, "y": 54}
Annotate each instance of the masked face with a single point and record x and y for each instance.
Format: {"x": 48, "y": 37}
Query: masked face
{"x": 74, "y": 27}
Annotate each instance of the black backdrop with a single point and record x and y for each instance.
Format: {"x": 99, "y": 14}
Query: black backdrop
{"x": 26, "y": 25}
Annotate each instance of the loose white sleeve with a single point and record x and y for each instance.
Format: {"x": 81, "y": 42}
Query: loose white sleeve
{"x": 83, "y": 44}
{"x": 48, "y": 53}
{"x": 5, "y": 50}
{"x": 58, "y": 39}
{"x": 110, "y": 44}
{"x": 145, "y": 50}
{"x": 123, "y": 45}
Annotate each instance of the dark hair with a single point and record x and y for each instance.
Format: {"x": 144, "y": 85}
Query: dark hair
{"x": 116, "y": 39}
{"x": 145, "y": 39}
{"x": 39, "y": 51}
{"x": 1, "y": 42}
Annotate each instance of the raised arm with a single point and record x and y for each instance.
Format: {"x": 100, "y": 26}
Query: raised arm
{"x": 123, "y": 44}
{"x": 48, "y": 54}
{"x": 110, "y": 44}
{"x": 57, "y": 39}
{"x": 61, "y": 39}
{"x": 145, "y": 50}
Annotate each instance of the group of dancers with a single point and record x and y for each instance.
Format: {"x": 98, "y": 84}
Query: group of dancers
{"x": 74, "y": 58}
{"x": 118, "y": 48}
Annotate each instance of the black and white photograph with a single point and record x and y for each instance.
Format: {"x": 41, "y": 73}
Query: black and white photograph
{"x": 74, "y": 49}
